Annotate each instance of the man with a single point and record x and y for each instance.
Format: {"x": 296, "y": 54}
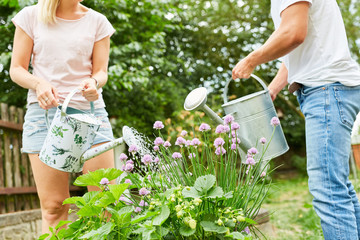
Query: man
{"x": 310, "y": 36}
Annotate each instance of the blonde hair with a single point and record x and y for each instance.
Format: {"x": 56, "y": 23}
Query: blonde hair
{"x": 47, "y": 11}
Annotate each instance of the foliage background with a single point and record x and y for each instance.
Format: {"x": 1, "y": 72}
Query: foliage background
{"x": 162, "y": 49}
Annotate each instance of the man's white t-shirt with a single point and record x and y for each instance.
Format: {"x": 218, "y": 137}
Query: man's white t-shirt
{"x": 324, "y": 56}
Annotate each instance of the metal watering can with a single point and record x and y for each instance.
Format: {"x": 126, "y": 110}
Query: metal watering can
{"x": 72, "y": 132}
{"x": 252, "y": 112}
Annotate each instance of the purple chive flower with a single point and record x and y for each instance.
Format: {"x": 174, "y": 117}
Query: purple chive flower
{"x": 226, "y": 128}
{"x": 147, "y": 159}
{"x": 158, "y": 125}
{"x": 137, "y": 209}
{"x": 195, "y": 142}
{"x": 233, "y": 134}
{"x": 263, "y": 174}
{"x": 235, "y": 126}
{"x": 233, "y": 146}
{"x": 253, "y": 151}
{"x": 123, "y": 157}
{"x": 220, "y": 151}
{"x": 158, "y": 141}
{"x": 167, "y": 144}
{"x": 250, "y": 161}
{"x": 130, "y": 161}
{"x": 192, "y": 155}
{"x": 143, "y": 191}
{"x": 133, "y": 148}
{"x": 235, "y": 140}
{"x": 275, "y": 122}
{"x": 180, "y": 141}
{"x": 129, "y": 167}
{"x": 247, "y": 230}
{"x": 204, "y": 127}
{"x": 228, "y": 119}
{"x": 188, "y": 143}
{"x": 156, "y": 160}
{"x": 122, "y": 198}
{"x": 128, "y": 181}
{"x": 142, "y": 203}
{"x": 183, "y": 133}
{"x": 176, "y": 155}
{"x": 156, "y": 148}
{"x": 219, "y": 142}
{"x": 104, "y": 181}
{"x": 262, "y": 140}
{"x": 149, "y": 177}
{"x": 220, "y": 129}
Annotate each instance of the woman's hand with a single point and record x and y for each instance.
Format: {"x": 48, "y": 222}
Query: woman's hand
{"x": 47, "y": 95}
{"x": 89, "y": 89}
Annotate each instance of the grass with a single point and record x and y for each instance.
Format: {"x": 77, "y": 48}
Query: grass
{"x": 292, "y": 214}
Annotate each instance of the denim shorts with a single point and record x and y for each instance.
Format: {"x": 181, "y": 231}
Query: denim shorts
{"x": 35, "y": 129}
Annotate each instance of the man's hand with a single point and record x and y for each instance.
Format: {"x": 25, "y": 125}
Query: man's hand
{"x": 243, "y": 69}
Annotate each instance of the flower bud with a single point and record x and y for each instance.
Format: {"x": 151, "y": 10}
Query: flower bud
{"x": 220, "y": 222}
{"x": 240, "y": 218}
{"x": 192, "y": 223}
{"x": 178, "y": 208}
{"x": 179, "y": 214}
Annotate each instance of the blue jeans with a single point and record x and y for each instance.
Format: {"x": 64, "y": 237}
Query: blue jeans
{"x": 330, "y": 112}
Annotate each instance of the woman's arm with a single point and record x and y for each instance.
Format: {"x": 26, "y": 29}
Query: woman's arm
{"x": 21, "y": 54}
{"x": 100, "y": 59}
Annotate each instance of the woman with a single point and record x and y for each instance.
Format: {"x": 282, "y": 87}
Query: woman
{"x": 68, "y": 45}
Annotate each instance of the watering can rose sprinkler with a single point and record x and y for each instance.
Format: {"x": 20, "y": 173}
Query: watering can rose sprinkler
{"x": 252, "y": 112}
{"x": 72, "y": 132}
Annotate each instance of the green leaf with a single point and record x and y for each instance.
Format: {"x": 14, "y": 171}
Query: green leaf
{"x": 212, "y": 227}
{"x": 90, "y": 196}
{"x": 89, "y": 210}
{"x": 161, "y": 218}
{"x": 216, "y": 192}
{"x": 229, "y": 195}
{"x": 186, "y": 231}
{"x": 44, "y": 236}
{"x": 249, "y": 220}
{"x": 101, "y": 232}
{"x": 191, "y": 193}
{"x": 142, "y": 217}
{"x": 236, "y": 235}
{"x": 105, "y": 200}
{"x": 94, "y": 178}
{"x": 61, "y": 223}
{"x": 118, "y": 189}
{"x": 204, "y": 183}
{"x": 74, "y": 200}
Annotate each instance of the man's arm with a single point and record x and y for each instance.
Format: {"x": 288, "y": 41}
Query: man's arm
{"x": 279, "y": 82}
{"x": 290, "y": 34}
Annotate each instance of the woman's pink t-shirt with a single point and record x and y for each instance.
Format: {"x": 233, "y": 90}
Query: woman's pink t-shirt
{"x": 62, "y": 52}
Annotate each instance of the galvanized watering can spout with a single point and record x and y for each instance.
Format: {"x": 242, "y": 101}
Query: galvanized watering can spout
{"x": 252, "y": 112}
{"x": 196, "y": 100}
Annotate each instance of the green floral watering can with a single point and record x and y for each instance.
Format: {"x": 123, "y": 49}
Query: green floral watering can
{"x": 72, "y": 132}
{"x": 252, "y": 112}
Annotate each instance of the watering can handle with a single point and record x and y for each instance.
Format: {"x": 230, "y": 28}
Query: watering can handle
{"x": 228, "y": 82}
{"x": 64, "y": 107}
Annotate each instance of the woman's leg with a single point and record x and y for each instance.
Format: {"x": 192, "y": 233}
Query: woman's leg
{"x": 53, "y": 188}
